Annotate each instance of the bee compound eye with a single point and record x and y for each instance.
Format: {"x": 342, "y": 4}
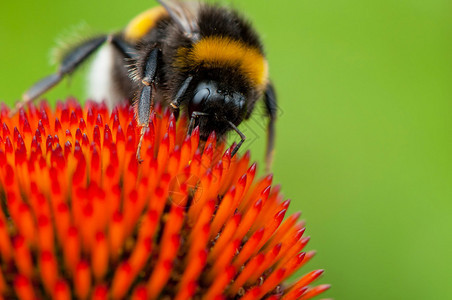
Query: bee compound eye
{"x": 201, "y": 95}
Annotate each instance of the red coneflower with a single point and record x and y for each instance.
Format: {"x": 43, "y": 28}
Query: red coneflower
{"x": 82, "y": 219}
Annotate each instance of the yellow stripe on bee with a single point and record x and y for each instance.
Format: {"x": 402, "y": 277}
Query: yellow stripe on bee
{"x": 223, "y": 51}
{"x": 143, "y": 23}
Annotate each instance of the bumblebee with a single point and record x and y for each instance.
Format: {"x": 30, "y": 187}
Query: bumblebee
{"x": 200, "y": 58}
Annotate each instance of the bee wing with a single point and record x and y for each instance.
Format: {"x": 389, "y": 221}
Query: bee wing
{"x": 184, "y": 14}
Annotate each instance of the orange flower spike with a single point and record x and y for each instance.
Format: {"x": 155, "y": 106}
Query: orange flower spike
{"x": 100, "y": 292}
{"x": 200, "y": 197}
{"x": 246, "y": 272}
{"x": 121, "y": 147}
{"x": 295, "y": 294}
{"x": 294, "y": 264}
{"x": 26, "y": 224}
{"x": 217, "y": 173}
{"x": 116, "y": 234}
{"x": 90, "y": 119}
{"x": 226, "y": 159}
{"x": 185, "y": 152}
{"x": 173, "y": 161}
{"x": 107, "y": 140}
{"x": 248, "y": 219}
{"x": 228, "y": 172}
{"x": 58, "y": 130}
{"x": 45, "y": 233}
{"x": 310, "y": 293}
{"x": 270, "y": 228}
{"x": 212, "y": 139}
{"x": 303, "y": 283}
{"x": 243, "y": 166}
{"x": 195, "y": 162}
{"x": 24, "y": 288}
{"x": 252, "y": 294}
{"x": 173, "y": 224}
{"x": 199, "y": 242}
{"x": 87, "y": 228}
{"x": 264, "y": 196}
{"x": 290, "y": 242}
{"x": 309, "y": 255}
{"x": 282, "y": 230}
{"x": 224, "y": 259}
{"x": 171, "y": 132}
{"x": 114, "y": 195}
{"x": 244, "y": 180}
{"x": 62, "y": 221}
{"x": 164, "y": 264}
{"x": 220, "y": 282}
{"x": 46, "y": 116}
{"x": 169, "y": 249}
{"x": 271, "y": 205}
{"x": 201, "y": 220}
{"x": 13, "y": 203}
{"x": 149, "y": 225}
{"x": 61, "y": 291}
{"x": 159, "y": 195}
{"x": 257, "y": 191}
{"x": 225, "y": 236}
{"x": 240, "y": 187}
{"x": 6, "y": 247}
{"x": 163, "y": 152}
{"x": 293, "y": 251}
{"x": 248, "y": 249}
{"x": 95, "y": 171}
{"x": 99, "y": 256}
{"x": 22, "y": 256}
{"x": 272, "y": 281}
{"x": 121, "y": 281}
{"x": 159, "y": 277}
{"x": 132, "y": 210}
{"x": 140, "y": 293}
{"x": 140, "y": 255}
{"x": 72, "y": 248}
{"x": 269, "y": 259}
{"x": 187, "y": 291}
{"x": 223, "y": 211}
{"x": 82, "y": 280}
{"x": 100, "y": 217}
{"x": 206, "y": 159}
{"x": 79, "y": 177}
{"x": 49, "y": 270}
{"x": 149, "y": 142}
{"x": 192, "y": 272}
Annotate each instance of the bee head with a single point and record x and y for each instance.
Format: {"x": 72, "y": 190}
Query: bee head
{"x": 221, "y": 104}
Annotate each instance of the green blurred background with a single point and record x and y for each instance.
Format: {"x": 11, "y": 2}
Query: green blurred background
{"x": 364, "y": 139}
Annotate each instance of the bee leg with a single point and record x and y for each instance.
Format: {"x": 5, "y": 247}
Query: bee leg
{"x": 242, "y": 136}
{"x": 70, "y": 62}
{"x": 123, "y": 47}
{"x": 178, "y": 99}
{"x": 144, "y": 106}
{"x": 272, "y": 108}
{"x": 145, "y": 101}
{"x": 194, "y": 116}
